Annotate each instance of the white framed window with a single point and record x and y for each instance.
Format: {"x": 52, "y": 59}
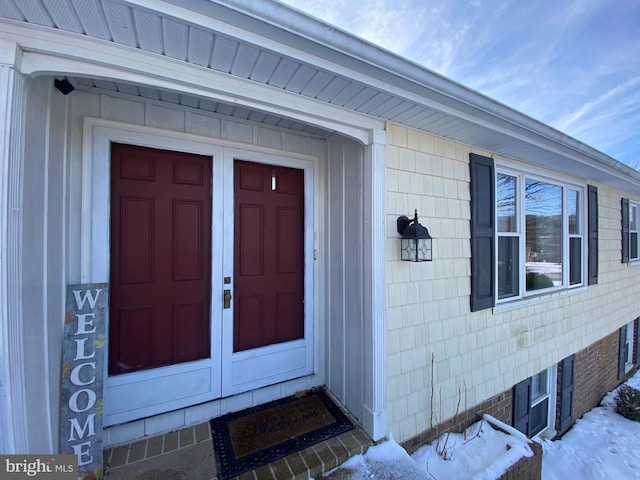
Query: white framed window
{"x": 634, "y": 238}
{"x": 534, "y": 404}
{"x": 542, "y": 402}
{"x": 540, "y": 229}
{"x": 628, "y": 347}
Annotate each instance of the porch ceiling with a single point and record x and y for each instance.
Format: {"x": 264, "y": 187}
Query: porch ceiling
{"x": 200, "y": 103}
{"x": 272, "y": 45}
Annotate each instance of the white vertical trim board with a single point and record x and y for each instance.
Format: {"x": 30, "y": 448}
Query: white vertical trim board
{"x": 374, "y": 254}
{"x": 13, "y": 413}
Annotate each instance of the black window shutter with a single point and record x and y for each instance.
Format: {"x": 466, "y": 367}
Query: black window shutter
{"x": 622, "y": 352}
{"x": 566, "y": 393}
{"x": 592, "y": 227}
{"x": 636, "y": 353}
{"x": 482, "y": 232}
{"x": 522, "y": 405}
{"x": 624, "y": 215}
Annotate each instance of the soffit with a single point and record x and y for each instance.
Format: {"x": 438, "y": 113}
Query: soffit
{"x": 199, "y": 103}
{"x": 228, "y": 40}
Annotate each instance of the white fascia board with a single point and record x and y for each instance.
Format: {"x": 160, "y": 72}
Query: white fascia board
{"x": 332, "y": 53}
{"x": 55, "y": 52}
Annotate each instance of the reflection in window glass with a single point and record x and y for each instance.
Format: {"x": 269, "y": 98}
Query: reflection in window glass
{"x": 574, "y": 212}
{"x": 538, "y": 386}
{"x": 508, "y": 269}
{"x": 538, "y": 418}
{"x": 575, "y": 239}
{"x": 543, "y": 217}
{"x": 633, "y": 231}
{"x": 506, "y": 203}
{"x": 575, "y": 260}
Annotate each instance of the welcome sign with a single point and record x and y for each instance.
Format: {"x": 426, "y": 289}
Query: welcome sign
{"x": 82, "y": 376}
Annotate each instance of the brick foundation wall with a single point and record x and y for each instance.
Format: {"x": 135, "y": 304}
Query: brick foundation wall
{"x": 595, "y": 374}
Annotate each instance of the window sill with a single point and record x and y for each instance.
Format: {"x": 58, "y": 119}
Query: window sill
{"x": 546, "y": 434}
{"x": 543, "y": 297}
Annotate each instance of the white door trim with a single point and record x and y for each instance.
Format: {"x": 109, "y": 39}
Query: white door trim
{"x": 203, "y": 376}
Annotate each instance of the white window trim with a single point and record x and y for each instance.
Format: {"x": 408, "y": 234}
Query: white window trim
{"x": 628, "y": 363}
{"x": 549, "y": 432}
{"x": 522, "y": 172}
{"x": 581, "y": 220}
{"x": 635, "y": 204}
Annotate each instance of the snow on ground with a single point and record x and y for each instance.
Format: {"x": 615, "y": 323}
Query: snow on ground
{"x": 602, "y": 445}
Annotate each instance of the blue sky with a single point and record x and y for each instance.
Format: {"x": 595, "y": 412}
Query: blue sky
{"x": 572, "y": 64}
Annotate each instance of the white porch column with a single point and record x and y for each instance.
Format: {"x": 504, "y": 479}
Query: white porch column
{"x": 375, "y": 402}
{"x": 13, "y": 437}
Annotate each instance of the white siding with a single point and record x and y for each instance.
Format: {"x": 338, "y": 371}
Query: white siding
{"x": 345, "y": 329}
{"x": 43, "y": 274}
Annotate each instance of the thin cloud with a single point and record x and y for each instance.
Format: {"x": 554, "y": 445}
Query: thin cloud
{"x": 585, "y": 109}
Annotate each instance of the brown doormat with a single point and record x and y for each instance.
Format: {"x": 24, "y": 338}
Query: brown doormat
{"x": 248, "y": 439}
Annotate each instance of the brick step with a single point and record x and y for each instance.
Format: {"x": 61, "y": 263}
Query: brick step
{"x": 188, "y": 453}
{"x": 314, "y": 461}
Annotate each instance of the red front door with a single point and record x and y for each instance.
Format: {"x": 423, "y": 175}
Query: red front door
{"x": 160, "y": 283}
{"x": 268, "y": 255}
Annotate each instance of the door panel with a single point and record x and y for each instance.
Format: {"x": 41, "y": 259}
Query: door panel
{"x": 160, "y": 272}
{"x": 268, "y": 331}
{"x": 269, "y": 262}
{"x": 160, "y": 258}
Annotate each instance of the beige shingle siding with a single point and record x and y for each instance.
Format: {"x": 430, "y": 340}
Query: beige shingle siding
{"x": 427, "y": 305}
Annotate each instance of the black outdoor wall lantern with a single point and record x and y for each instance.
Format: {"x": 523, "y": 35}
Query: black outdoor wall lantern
{"x": 415, "y": 245}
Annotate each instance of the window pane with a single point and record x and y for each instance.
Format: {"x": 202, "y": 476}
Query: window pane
{"x": 633, "y": 221}
{"x": 575, "y": 261}
{"x": 574, "y": 212}
{"x": 538, "y": 419}
{"x": 539, "y": 386}
{"x": 543, "y": 216}
{"x": 506, "y": 203}
{"x": 634, "y": 245}
{"x": 508, "y": 267}
{"x": 629, "y": 343}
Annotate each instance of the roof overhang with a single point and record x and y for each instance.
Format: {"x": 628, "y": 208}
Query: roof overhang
{"x": 269, "y": 57}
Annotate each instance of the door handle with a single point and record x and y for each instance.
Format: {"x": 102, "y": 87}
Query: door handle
{"x": 226, "y": 299}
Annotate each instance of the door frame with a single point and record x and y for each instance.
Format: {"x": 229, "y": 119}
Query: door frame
{"x": 95, "y": 255}
{"x": 95, "y": 244}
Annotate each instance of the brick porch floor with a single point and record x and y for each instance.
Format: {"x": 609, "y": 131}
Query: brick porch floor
{"x": 188, "y": 454}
